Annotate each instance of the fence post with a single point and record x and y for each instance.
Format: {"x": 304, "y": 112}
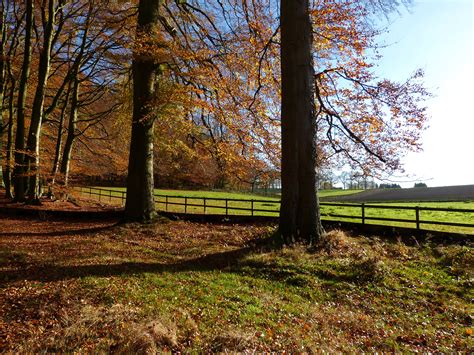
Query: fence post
{"x": 417, "y": 212}
{"x": 110, "y": 195}
{"x": 252, "y": 208}
{"x": 363, "y": 213}
{"x": 123, "y": 198}
{"x": 226, "y": 207}
{"x": 185, "y": 205}
{"x": 100, "y": 194}
{"x": 204, "y": 202}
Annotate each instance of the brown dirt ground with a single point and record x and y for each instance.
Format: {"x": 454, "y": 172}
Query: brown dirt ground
{"x": 75, "y": 204}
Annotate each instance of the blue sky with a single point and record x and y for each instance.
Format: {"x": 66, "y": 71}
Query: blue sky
{"x": 437, "y": 36}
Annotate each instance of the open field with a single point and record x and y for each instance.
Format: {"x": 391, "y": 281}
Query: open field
{"x": 444, "y": 193}
{"x": 230, "y": 194}
{"x": 181, "y": 286}
{"x": 174, "y": 200}
{"x": 438, "y": 216}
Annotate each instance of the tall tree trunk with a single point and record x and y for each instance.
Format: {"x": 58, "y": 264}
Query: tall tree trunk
{"x": 71, "y": 132}
{"x": 140, "y": 204}
{"x": 11, "y": 111}
{"x": 73, "y": 90}
{"x": 19, "y": 171}
{"x": 8, "y": 175}
{"x": 59, "y": 139}
{"x": 299, "y": 215}
{"x": 2, "y": 83}
{"x": 33, "y": 144}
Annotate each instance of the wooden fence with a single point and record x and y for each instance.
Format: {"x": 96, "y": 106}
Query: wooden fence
{"x": 349, "y": 212}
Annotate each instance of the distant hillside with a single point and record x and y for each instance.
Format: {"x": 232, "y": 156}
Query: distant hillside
{"x": 444, "y": 193}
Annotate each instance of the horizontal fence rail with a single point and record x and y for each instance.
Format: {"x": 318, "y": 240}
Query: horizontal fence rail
{"x": 350, "y": 212}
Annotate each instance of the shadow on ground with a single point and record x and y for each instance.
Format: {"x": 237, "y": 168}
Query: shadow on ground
{"x": 60, "y": 233}
{"x": 210, "y": 262}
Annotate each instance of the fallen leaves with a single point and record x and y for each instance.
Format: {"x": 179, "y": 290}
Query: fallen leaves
{"x": 65, "y": 288}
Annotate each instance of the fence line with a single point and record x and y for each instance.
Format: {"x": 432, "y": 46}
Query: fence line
{"x": 255, "y": 207}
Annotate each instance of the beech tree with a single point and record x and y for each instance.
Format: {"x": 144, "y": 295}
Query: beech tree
{"x": 48, "y": 15}
{"x": 65, "y": 81}
{"x": 361, "y": 120}
{"x": 3, "y": 36}
{"x": 140, "y": 204}
{"x": 299, "y": 213}
{"x": 19, "y": 171}
{"x": 10, "y": 43}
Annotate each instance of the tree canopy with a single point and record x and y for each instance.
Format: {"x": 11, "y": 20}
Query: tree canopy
{"x": 68, "y": 68}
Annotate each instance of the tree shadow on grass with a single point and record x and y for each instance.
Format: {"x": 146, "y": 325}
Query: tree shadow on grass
{"x": 210, "y": 262}
{"x": 66, "y": 232}
{"x": 233, "y": 261}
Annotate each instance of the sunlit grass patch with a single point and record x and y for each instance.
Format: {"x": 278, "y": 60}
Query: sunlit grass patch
{"x": 237, "y": 204}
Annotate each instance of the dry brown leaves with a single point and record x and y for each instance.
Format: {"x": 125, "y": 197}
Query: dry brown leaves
{"x": 42, "y": 260}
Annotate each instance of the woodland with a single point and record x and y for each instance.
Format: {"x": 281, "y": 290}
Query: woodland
{"x": 217, "y": 93}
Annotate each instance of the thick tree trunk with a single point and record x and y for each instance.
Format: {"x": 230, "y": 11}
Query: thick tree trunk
{"x": 140, "y": 204}
{"x": 19, "y": 171}
{"x": 33, "y": 143}
{"x": 299, "y": 215}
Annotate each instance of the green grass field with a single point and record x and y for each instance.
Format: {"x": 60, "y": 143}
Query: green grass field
{"x": 214, "y": 200}
{"x": 215, "y": 203}
{"x": 437, "y": 216}
{"x": 229, "y": 194}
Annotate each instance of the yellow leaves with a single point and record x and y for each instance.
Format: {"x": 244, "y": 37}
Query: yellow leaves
{"x": 340, "y": 27}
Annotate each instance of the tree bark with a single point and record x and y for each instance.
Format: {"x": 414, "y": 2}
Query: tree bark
{"x": 7, "y": 175}
{"x": 299, "y": 214}
{"x": 59, "y": 139}
{"x": 11, "y": 111}
{"x": 71, "y": 132}
{"x": 2, "y": 84}
{"x": 140, "y": 204}
{"x": 73, "y": 91}
{"x": 33, "y": 143}
{"x": 19, "y": 170}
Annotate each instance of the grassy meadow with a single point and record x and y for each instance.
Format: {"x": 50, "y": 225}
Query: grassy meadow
{"x": 438, "y": 216}
{"x": 269, "y": 206}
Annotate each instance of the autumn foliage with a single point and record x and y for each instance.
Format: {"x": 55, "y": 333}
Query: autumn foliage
{"x": 217, "y": 102}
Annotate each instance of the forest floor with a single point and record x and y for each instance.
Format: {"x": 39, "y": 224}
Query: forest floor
{"x": 70, "y": 205}
{"x": 99, "y": 286}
